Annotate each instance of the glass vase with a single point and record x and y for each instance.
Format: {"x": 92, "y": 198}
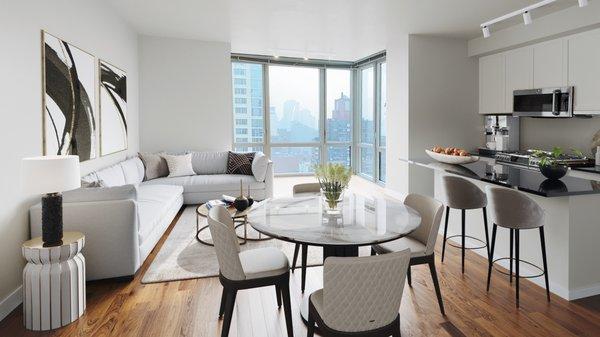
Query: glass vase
{"x": 332, "y": 201}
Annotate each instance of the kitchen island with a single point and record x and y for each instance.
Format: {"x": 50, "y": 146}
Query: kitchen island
{"x": 572, "y": 222}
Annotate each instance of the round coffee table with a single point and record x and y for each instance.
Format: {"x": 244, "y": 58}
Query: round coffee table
{"x": 240, "y": 218}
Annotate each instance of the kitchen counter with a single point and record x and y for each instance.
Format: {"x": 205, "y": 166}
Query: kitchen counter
{"x": 524, "y": 179}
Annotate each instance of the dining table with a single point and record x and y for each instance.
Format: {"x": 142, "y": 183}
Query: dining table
{"x": 359, "y": 220}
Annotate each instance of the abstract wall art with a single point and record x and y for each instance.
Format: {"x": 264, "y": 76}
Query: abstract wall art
{"x": 113, "y": 109}
{"x": 69, "y": 98}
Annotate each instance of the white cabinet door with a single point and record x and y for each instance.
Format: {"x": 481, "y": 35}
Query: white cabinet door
{"x": 519, "y": 73}
{"x": 491, "y": 84}
{"x": 549, "y": 64}
{"x": 584, "y": 70}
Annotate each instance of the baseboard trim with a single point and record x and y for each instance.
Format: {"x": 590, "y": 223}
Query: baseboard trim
{"x": 10, "y": 302}
{"x": 584, "y": 292}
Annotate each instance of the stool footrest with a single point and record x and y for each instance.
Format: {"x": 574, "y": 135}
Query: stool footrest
{"x": 466, "y": 236}
{"x": 520, "y": 276}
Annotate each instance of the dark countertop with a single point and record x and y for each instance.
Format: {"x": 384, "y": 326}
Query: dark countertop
{"x": 524, "y": 179}
{"x": 591, "y": 169}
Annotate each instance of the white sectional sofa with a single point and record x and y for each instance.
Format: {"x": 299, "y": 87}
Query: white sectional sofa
{"x": 123, "y": 221}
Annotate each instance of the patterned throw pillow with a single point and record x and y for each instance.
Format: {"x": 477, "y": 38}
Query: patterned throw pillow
{"x": 240, "y": 163}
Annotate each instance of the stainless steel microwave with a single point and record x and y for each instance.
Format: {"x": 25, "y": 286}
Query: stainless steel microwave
{"x": 546, "y": 102}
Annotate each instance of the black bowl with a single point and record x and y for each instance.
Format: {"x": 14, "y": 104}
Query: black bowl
{"x": 553, "y": 171}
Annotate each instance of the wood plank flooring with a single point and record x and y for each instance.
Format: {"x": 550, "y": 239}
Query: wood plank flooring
{"x": 190, "y": 308}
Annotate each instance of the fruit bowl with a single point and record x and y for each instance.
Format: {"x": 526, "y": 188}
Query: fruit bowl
{"x": 451, "y": 159}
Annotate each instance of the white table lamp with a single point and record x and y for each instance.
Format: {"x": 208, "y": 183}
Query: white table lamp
{"x": 51, "y": 175}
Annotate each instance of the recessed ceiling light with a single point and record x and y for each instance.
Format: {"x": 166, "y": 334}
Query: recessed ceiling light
{"x": 583, "y": 3}
{"x": 305, "y": 58}
{"x": 275, "y": 56}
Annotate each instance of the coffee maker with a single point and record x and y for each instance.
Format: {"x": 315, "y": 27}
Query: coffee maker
{"x": 501, "y": 134}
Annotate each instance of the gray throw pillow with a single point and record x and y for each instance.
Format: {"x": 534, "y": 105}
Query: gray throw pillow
{"x": 240, "y": 163}
{"x": 155, "y": 165}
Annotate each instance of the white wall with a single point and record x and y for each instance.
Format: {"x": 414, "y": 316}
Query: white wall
{"x": 185, "y": 93}
{"x": 432, "y": 101}
{"x": 90, "y": 25}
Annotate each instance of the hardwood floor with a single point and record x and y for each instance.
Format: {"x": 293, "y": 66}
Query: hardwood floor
{"x": 190, "y": 308}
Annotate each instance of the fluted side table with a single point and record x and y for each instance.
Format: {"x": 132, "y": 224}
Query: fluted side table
{"x": 53, "y": 282}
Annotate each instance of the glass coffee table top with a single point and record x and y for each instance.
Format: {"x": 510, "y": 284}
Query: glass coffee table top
{"x": 364, "y": 220}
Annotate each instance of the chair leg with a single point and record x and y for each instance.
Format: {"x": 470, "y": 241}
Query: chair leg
{"x": 303, "y": 267}
{"x": 373, "y": 252}
{"x": 278, "y": 294}
{"x": 409, "y": 276}
{"x": 485, "y": 225}
{"x": 463, "y": 241}
{"x": 223, "y": 299}
{"x": 296, "y": 249}
{"x": 445, "y": 232}
{"x": 512, "y": 249}
{"x": 436, "y": 284}
{"x": 396, "y": 329}
{"x": 287, "y": 306}
{"x": 543, "y": 241}
{"x": 489, "y": 277}
{"x": 310, "y": 328}
{"x": 229, "y": 304}
{"x": 517, "y": 265}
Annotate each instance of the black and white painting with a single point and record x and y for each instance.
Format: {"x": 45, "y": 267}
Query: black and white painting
{"x": 69, "y": 99}
{"x": 113, "y": 109}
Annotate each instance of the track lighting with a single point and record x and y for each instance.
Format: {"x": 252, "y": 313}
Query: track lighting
{"x": 486, "y": 32}
{"x": 527, "y": 18}
{"x": 583, "y": 3}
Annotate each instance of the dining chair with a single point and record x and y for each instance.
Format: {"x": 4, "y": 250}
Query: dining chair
{"x": 251, "y": 268}
{"x": 303, "y": 190}
{"x": 360, "y": 297}
{"x": 421, "y": 242}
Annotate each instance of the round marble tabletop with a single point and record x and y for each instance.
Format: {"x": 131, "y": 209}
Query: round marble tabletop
{"x": 364, "y": 220}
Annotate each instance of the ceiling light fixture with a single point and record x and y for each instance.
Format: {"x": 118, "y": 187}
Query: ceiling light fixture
{"x": 525, "y": 12}
{"x": 275, "y": 56}
{"x": 527, "y": 18}
{"x": 305, "y": 58}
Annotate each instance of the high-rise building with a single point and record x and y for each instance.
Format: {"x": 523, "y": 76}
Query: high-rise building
{"x": 248, "y": 105}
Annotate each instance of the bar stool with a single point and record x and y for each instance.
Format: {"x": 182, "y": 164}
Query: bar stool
{"x": 463, "y": 194}
{"x": 303, "y": 190}
{"x": 513, "y": 210}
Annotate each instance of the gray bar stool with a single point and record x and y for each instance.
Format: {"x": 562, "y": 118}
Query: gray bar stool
{"x": 463, "y": 194}
{"x": 513, "y": 210}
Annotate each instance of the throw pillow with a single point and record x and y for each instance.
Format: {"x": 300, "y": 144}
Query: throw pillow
{"x": 240, "y": 163}
{"x": 259, "y": 166}
{"x": 180, "y": 166}
{"x": 155, "y": 166}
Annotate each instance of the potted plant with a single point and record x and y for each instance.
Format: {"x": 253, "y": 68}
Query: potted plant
{"x": 334, "y": 179}
{"x": 551, "y": 164}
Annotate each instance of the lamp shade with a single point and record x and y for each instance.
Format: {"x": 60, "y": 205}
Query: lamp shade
{"x": 50, "y": 174}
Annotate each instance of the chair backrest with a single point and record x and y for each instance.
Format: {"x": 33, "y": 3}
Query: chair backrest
{"x": 363, "y": 293}
{"x": 513, "y": 209}
{"x": 431, "y": 212}
{"x": 308, "y": 188}
{"x": 226, "y": 243}
{"x": 463, "y": 194}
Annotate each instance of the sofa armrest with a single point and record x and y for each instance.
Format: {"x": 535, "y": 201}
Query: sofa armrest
{"x": 269, "y": 180}
{"x": 111, "y": 231}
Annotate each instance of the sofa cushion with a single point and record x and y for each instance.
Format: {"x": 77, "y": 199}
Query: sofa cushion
{"x": 259, "y": 166}
{"x": 155, "y": 166}
{"x": 154, "y": 201}
{"x": 240, "y": 163}
{"x": 111, "y": 176}
{"x": 123, "y": 192}
{"x": 180, "y": 165}
{"x": 211, "y": 183}
{"x": 209, "y": 162}
{"x": 133, "y": 170}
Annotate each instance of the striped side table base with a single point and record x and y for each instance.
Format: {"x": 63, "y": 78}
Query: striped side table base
{"x": 53, "y": 282}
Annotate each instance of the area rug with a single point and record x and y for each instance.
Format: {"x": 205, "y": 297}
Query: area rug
{"x": 182, "y": 257}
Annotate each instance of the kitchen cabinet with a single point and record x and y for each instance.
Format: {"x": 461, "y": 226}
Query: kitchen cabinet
{"x": 584, "y": 70}
{"x": 550, "y": 64}
{"x": 491, "y": 84}
{"x": 519, "y": 73}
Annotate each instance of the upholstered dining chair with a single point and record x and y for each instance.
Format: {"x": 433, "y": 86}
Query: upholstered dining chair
{"x": 246, "y": 269}
{"x": 421, "y": 242}
{"x": 360, "y": 297}
{"x": 303, "y": 190}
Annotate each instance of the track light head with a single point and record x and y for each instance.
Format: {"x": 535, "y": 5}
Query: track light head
{"x": 527, "y": 18}
{"x": 583, "y": 3}
{"x": 486, "y": 31}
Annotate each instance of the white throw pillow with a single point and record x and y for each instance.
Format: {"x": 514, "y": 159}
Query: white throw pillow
{"x": 259, "y": 166}
{"x": 180, "y": 165}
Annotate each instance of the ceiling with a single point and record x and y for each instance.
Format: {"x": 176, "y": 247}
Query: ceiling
{"x": 325, "y": 29}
